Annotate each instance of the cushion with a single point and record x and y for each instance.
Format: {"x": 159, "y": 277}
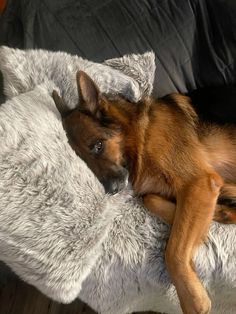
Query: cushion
{"x": 24, "y": 69}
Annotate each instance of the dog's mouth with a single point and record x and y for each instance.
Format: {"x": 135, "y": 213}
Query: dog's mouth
{"x": 116, "y": 183}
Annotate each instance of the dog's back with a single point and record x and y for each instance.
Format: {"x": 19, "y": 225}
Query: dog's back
{"x": 174, "y": 140}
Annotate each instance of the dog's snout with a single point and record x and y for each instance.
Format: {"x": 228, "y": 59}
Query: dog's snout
{"x": 111, "y": 186}
{"x": 114, "y": 188}
{"x": 116, "y": 183}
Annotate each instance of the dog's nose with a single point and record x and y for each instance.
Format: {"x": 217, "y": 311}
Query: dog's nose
{"x": 114, "y": 185}
{"x": 111, "y": 186}
{"x": 114, "y": 188}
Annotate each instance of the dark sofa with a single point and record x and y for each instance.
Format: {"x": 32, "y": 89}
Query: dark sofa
{"x": 194, "y": 41}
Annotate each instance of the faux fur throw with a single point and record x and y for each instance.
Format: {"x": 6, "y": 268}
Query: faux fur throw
{"x": 58, "y": 229}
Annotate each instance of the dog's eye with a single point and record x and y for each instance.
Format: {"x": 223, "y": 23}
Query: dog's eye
{"x": 97, "y": 147}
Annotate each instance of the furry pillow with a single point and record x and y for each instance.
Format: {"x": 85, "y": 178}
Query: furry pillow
{"x": 48, "y": 207}
{"x": 24, "y": 69}
{"x": 54, "y": 213}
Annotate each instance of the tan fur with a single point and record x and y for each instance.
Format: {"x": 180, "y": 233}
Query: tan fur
{"x": 113, "y": 148}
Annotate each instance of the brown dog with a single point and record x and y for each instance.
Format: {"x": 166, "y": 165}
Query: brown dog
{"x": 178, "y": 164}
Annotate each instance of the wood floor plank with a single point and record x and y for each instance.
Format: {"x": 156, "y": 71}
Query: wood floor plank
{"x": 7, "y": 298}
{"x": 18, "y": 297}
{"x": 76, "y": 307}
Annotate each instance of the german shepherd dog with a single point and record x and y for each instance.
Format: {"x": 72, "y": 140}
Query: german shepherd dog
{"x": 184, "y": 169}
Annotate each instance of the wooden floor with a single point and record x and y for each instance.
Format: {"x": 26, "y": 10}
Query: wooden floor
{"x": 19, "y": 298}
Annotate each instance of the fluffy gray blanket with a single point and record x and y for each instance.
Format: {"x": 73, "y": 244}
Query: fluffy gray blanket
{"x": 58, "y": 229}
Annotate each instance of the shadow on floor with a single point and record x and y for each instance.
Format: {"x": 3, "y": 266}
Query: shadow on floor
{"x": 17, "y": 297}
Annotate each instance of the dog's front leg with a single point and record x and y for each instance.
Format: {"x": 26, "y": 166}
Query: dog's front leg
{"x": 196, "y": 202}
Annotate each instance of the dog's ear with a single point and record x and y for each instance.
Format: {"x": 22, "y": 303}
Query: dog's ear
{"x": 88, "y": 92}
{"x": 61, "y": 106}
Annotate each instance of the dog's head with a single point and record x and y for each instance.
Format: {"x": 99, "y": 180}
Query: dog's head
{"x": 94, "y": 135}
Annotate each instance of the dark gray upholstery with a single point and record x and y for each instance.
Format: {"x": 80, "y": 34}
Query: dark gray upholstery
{"x": 194, "y": 41}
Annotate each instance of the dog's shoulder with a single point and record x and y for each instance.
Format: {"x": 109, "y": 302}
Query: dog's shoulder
{"x": 182, "y": 105}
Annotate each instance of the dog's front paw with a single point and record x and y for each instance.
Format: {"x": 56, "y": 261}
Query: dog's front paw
{"x": 197, "y": 306}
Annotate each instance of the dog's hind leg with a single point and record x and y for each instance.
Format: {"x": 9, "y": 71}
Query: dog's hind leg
{"x": 225, "y": 211}
{"x": 225, "y": 214}
{"x": 228, "y": 192}
{"x": 226, "y": 208}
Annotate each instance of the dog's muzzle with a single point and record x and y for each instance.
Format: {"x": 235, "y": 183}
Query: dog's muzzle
{"x": 116, "y": 183}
